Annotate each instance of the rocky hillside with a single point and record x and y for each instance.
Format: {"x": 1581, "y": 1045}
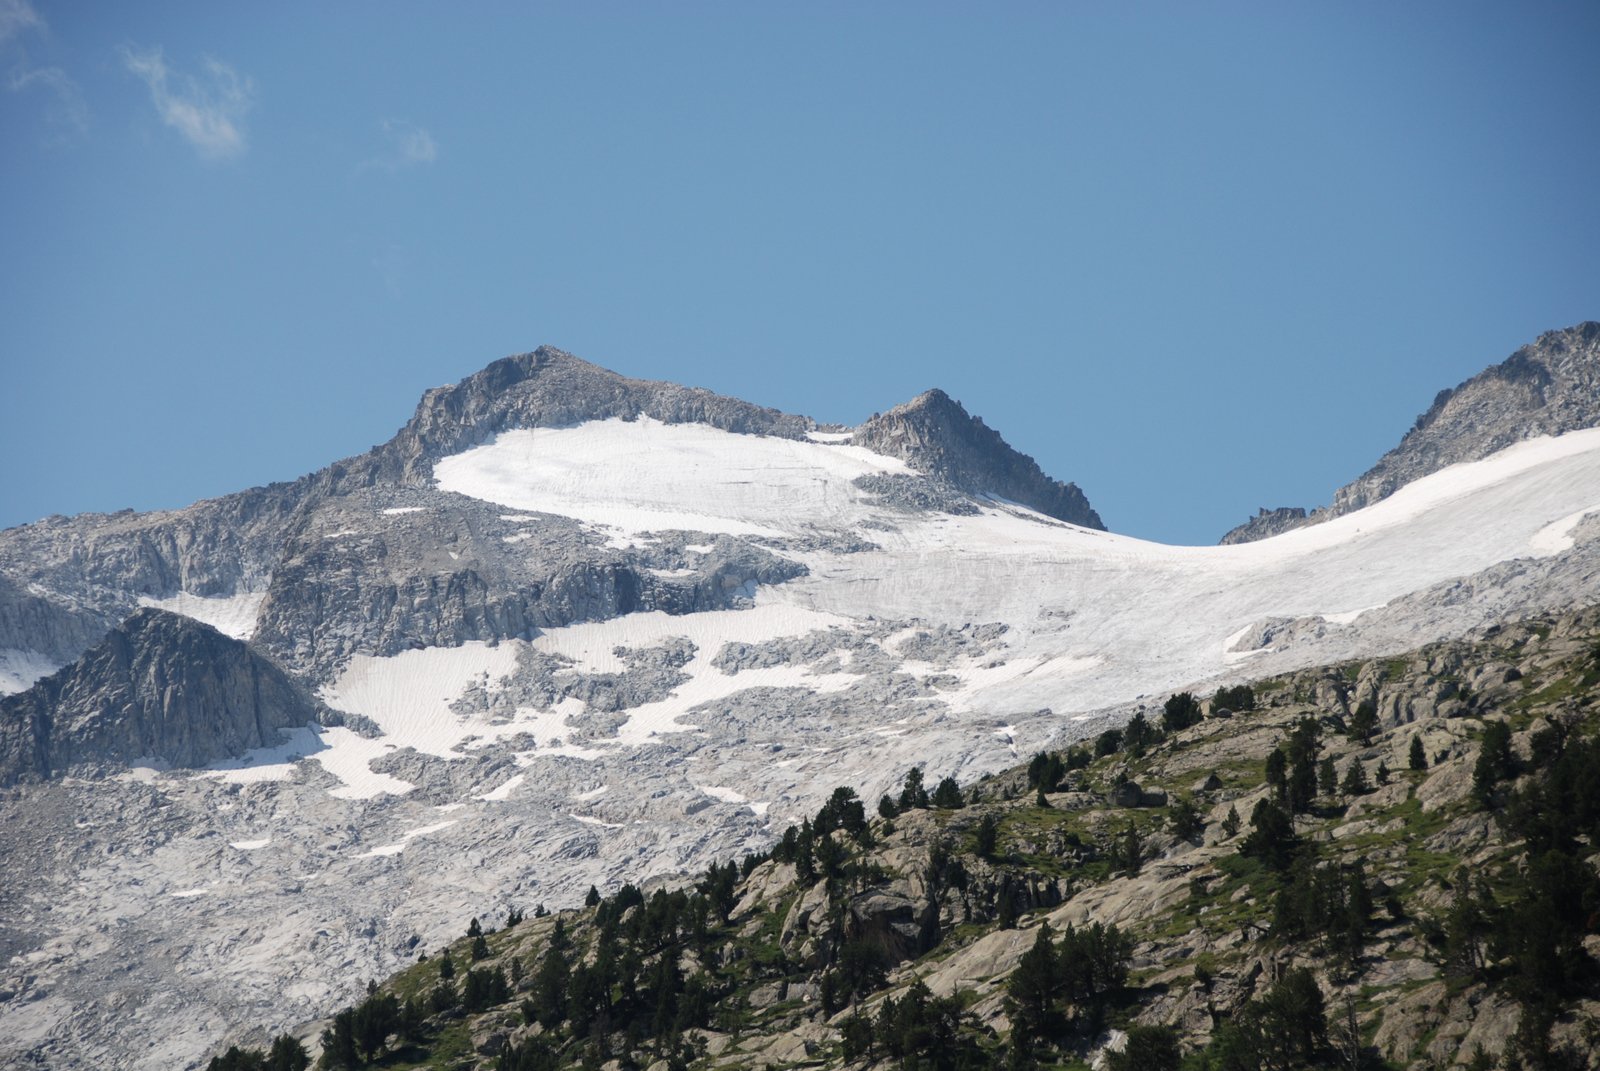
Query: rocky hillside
{"x": 1388, "y": 863}
{"x": 1550, "y": 386}
{"x": 160, "y": 688}
{"x": 935, "y": 435}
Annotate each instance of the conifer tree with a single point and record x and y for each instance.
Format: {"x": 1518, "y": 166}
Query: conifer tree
{"x": 1419, "y": 758}
{"x": 1355, "y": 779}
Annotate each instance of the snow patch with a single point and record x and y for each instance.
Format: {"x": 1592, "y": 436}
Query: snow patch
{"x": 396, "y": 511}
{"x": 504, "y": 791}
{"x": 231, "y": 615}
{"x": 19, "y": 668}
{"x": 1556, "y": 537}
{"x": 250, "y": 845}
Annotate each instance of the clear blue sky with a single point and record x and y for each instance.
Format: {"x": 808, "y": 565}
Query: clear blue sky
{"x": 1197, "y": 258}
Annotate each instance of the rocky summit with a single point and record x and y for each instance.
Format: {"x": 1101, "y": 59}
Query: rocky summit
{"x": 569, "y": 629}
{"x": 1548, "y": 387}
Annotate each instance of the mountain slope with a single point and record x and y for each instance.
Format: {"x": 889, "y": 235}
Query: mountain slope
{"x": 1548, "y": 387}
{"x": 603, "y": 630}
{"x": 913, "y": 939}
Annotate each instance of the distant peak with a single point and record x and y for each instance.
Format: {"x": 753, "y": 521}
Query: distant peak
{"x": 934, "y": 434}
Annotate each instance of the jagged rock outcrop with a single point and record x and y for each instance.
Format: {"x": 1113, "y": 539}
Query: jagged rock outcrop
{"x": 935, "y": 435}
{"x": 159, "y": 686}
{"x": 1266, "y": 522}
{"x": 1549, "y": 387}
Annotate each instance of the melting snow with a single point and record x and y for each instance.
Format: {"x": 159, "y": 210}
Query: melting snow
{"x": 231, "y": 615}
{"x": 20, "y": 668}
{"x": 1557, "y": 537}
{"x": 250, "y": 845}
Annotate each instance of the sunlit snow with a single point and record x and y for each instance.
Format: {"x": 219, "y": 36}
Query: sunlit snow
{"x": 231, "y": 615}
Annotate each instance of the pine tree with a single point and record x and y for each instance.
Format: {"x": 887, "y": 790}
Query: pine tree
{"x": 1419, "y": 759}
{"x": 947, "y": 795}
{"x": 1355, "y": 779}
{"x": 1230, "y": 822}
{"x": 1033, "y": 986}
{"x": 912, "y": 794}
{"x": 1132, "y": 854}
{"x": 1363, "y": 723}
{"x": 1328, "y": 777}
{"x": 988, "y": 835}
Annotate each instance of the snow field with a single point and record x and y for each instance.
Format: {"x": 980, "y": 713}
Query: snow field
{"x": 231, "y": 615}
{"x": 640, "y": 476}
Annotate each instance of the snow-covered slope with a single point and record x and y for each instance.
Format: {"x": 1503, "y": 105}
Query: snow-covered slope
{"x": 581, "y": 641}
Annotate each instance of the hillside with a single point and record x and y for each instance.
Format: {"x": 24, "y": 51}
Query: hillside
{"x": 1381, "y": 863}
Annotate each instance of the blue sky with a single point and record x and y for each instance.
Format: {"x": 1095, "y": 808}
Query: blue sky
{"x": 1197, "y": 258}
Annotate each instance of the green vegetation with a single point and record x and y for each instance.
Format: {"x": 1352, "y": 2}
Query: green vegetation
{"x": 828, "y": 946}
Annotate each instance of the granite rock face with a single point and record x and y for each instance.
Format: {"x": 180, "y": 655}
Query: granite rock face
{"x": 1266, "y": 523}
{"x": 159, "y": 686}
{"x": 935, "y": 435}
{"x": 1549, "y": 387}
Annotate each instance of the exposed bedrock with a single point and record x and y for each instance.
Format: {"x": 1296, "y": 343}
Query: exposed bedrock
{"x": 160, "y": 687}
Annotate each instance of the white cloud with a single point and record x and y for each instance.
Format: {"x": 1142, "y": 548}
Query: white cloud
{"x": 208, "y": 111}
{"x": 409, "y": 145}
{"x": 16, "y": 16}
{"x": 69, "y": 109}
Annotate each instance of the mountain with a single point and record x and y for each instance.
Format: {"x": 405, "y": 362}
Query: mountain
{"x": 1191, "y": 904}
{"x": 582, "y": 629}
{"x": 159, "y": 687}
{"x": 1548, "y": 387}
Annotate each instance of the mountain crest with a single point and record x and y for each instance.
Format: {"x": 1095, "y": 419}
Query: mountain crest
{"x": 934, "y": 434}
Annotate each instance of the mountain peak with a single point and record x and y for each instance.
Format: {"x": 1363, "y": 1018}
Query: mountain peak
{"x": 158, "y": 685}
{"x": 934, "y": 434}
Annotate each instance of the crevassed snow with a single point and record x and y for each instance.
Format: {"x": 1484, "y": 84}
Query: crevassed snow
{"x": 408, "y": 695}
{"x": 644, "y": 476}
{"x": 19, "y": 668}
{"x": 231, "y": 615}
{"x": 1161, "y": 616}
{"x": 1129, "y": 617}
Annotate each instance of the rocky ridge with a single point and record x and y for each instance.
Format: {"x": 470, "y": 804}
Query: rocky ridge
{"x": 159, "y": 688}
{"x": 935, "y": 435}
{"x": 367, "y": 556}
{"x": 1550, "y": 386}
